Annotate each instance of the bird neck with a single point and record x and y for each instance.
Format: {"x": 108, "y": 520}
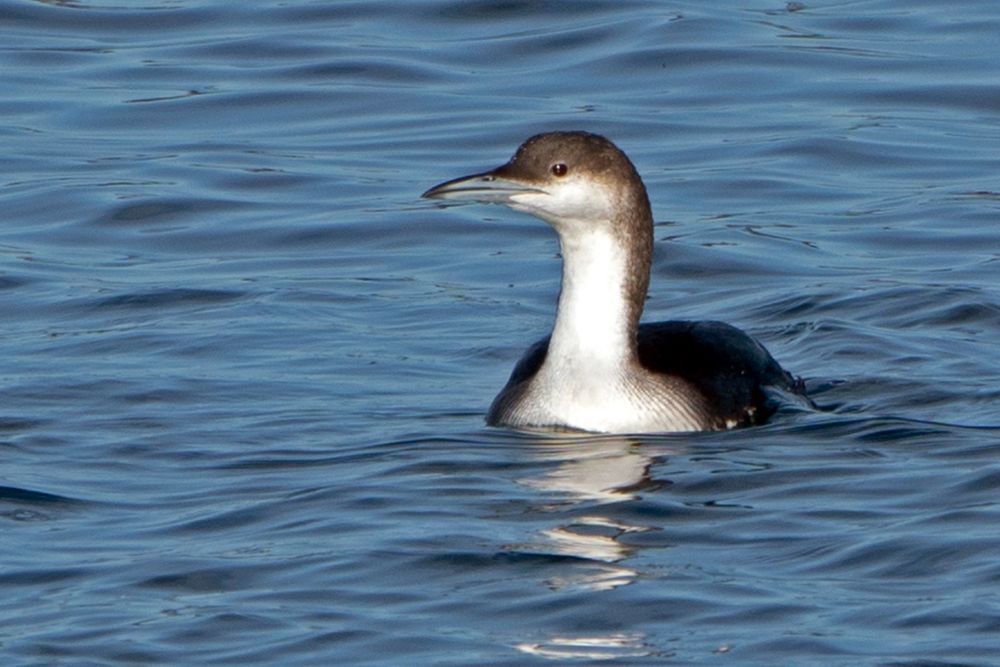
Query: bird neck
{"x": 604, "y": 281}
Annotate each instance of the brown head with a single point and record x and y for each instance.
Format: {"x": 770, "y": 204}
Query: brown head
{"x": 578, "y": 182}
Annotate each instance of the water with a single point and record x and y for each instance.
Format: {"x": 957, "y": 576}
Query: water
{"x": 245, "y": 367}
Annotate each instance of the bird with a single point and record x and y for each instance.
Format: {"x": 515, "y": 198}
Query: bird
{"x": 600, "y": 370}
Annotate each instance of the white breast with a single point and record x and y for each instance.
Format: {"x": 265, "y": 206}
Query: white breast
{"x": 604, "y": 403}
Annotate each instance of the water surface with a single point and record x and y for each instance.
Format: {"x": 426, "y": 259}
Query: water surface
{"x": 245, "y": 367}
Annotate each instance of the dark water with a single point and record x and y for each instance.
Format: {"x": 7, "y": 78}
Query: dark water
{"x": 244, "y": 368}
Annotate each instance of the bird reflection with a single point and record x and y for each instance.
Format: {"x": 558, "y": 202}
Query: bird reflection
{"x": 592, "y": 472}
{"x": 585, "y": 486}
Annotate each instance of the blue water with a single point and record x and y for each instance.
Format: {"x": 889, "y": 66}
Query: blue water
{"x": 244, "y": 367}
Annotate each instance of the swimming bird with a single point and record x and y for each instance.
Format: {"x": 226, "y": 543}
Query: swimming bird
{"x": 600, "y": 370}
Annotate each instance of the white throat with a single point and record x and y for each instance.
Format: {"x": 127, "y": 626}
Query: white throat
{"x": 592, "y": 334}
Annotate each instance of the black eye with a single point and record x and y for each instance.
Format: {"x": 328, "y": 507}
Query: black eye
{"x": 559, "y": 169}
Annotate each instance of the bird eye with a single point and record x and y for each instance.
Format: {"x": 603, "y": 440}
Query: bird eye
{"x": 559, "y": 169}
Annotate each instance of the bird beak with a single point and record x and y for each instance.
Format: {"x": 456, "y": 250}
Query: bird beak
{"x": 487, "y": 187}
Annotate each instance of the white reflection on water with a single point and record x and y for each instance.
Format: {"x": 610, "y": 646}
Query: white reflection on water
{"x": 601, "y": 471}
{"x": 594, "y": 647}
{"x": 593, "y": 472}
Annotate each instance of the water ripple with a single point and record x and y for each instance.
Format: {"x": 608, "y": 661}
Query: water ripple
{"x": 245, "y": 366}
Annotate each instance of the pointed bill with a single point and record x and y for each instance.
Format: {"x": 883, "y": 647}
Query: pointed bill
{"x": 487, "y": 187}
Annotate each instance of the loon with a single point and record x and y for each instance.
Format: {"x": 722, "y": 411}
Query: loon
{"x": 600, "y": 370}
